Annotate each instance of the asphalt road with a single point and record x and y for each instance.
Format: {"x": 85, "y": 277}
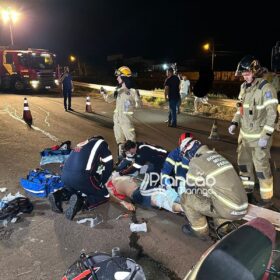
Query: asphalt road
{"x": 43, "y": 244}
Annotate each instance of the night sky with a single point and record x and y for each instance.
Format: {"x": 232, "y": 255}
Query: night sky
{"x": 165, "y": 31}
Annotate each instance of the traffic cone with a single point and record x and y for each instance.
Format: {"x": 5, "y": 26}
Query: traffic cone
{"x": 88, "y": 105}
{"x": 214, "y": 132}
{"x": 27, "y": 117}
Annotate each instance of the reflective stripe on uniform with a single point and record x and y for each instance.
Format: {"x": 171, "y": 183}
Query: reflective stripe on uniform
{"x": 229, "y": 203}
{"x": 92, "y": 153}
{"x": 153, "y": 148}
{"x": 128, "y": 113}
{"x": 106, "y": 159}
{"x": 266, "y": 103}
{"x": 185, "y": 166}
{"x": 200, "y": 228}
{"x": 220, "y": 170}
{"x": 270, "y": 189}
{"x": 248, "y": 183}
{"x": 246, "y": 105}
{"x": 252, "y": 136}
{"x": 268, "y": 128}
{"x": 131, "y": 129}
{"x": 170, "y": 161}
{"x": 237, "y": 113}
{"x": 136, "y": 165}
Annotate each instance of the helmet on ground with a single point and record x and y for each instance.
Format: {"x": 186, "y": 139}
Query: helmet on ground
{"x": 183, "y": 136}
{"x": 189, "y": 147}
{"x": 248, "y": 63}
{"x": 123, "y": 71}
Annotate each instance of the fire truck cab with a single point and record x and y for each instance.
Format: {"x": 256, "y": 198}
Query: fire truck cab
{"x": 27, "y": 69}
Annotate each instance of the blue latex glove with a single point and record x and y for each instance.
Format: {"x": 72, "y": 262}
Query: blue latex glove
{"x": 262, "y": 142}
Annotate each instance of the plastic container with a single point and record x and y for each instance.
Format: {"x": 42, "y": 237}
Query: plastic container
{"x": 138, "y": 227}
{"x": 116, "y": 252}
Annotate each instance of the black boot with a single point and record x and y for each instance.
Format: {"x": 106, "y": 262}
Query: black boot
{"x": 55, "y": 200}
{"x": 187, "y": 229}
{"x": 251, "y": 198}
{"x": 76, "y": 203}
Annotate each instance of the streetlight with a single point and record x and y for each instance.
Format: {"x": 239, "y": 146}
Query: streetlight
{"x": 9, "y": 16}
{"x": 73, "y": 60}
{"x": 211, "y": 48}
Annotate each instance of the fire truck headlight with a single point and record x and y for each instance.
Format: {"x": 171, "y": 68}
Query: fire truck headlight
{"x": 34, "y": 84}
{"x": 56, "y": 81}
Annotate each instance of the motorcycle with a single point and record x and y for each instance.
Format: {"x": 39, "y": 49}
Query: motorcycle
{"x": 246, "y": 253}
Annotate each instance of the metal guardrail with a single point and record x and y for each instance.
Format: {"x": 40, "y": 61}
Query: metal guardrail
{"x": 150, "y": 93}
{"x": 159, "y": 93}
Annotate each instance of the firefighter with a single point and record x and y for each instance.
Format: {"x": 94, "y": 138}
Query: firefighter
{"x": 175, "y": 168}
{"x": 213, "y": 189}
{"x": 85, "y": 172}
{"x": 127, "y": 98}
{"x": 148, "y": 159}
{"x": 256, "y": 115}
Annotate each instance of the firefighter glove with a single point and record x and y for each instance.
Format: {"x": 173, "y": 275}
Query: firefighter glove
{"x": 262, "y": 142}
{"x": 231, "y": 129}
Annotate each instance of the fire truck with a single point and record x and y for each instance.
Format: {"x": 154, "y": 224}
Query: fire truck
{"x": 27, "y": 69}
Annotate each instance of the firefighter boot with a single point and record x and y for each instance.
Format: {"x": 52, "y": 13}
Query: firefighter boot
{"x": 266, "y": 191}
{"x": 76, "y": 203}
{"x": 187, "y": 229}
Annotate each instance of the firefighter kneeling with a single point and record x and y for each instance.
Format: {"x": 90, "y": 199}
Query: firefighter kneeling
{"x": 213, "y": 189}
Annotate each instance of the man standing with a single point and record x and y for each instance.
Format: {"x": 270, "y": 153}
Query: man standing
{"x": 172, "y": 94}
{"x": 67, "y": 88}
{"x": 213, "y": 190}
{"x": 256, "y": 115}
{"x": 127, "y": 98}
{"x": 85, "y": 172}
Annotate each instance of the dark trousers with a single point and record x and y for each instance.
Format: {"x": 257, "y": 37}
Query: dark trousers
{"x": 172, "y": 117}
{"x": 83, "y": 183}
{"x": 67, "y": 94}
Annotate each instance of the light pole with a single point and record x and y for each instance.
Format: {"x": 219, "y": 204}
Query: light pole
{"x": 9, "y": 16}
{"x": 210, "y": 47}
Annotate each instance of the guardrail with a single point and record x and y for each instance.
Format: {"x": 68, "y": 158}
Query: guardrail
{"x": 150, "y": 93}
{"x": 159, "y": 93}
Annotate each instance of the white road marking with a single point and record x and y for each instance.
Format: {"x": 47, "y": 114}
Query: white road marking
{"x": 18, "y": 118}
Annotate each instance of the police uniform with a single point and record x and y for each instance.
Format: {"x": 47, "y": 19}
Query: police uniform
{"x": 256, "y": 115}
{"x": 218, "y": 191}
{"x": 126, "y": 101}
{"x": 88, "y": 168}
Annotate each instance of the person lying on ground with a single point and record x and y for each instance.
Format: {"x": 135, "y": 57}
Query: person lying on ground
{"x": 122, "y": 187}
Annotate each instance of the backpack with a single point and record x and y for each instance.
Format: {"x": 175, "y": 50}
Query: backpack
{"x": 40, "y": 183}
{"x": 102, "y": 266}
{"x": 56, "y": 154}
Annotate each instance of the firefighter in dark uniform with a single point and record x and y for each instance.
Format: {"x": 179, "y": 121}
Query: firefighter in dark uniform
{"x": 256, "y": 115}
{"x": 213, "y": 189}
{"x": 175, "y": 168}
{"x": 145, "y": 155}
{"x": 84, "y": 175}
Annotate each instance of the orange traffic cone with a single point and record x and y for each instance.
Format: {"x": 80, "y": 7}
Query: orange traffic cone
{"x": 88, "y": 105}
{"x": 27, "y": 117}
{"x": 214, "y": 132}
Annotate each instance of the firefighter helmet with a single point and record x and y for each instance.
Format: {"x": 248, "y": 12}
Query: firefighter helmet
{"x": 123, "y": 71}
{"x": 183, "y": 136}
{"x": 189, "y": 147}
{"x": 248, "y": 63}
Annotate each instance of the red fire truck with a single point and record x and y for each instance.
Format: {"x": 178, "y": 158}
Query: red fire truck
{"x": 27, "y": 69}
